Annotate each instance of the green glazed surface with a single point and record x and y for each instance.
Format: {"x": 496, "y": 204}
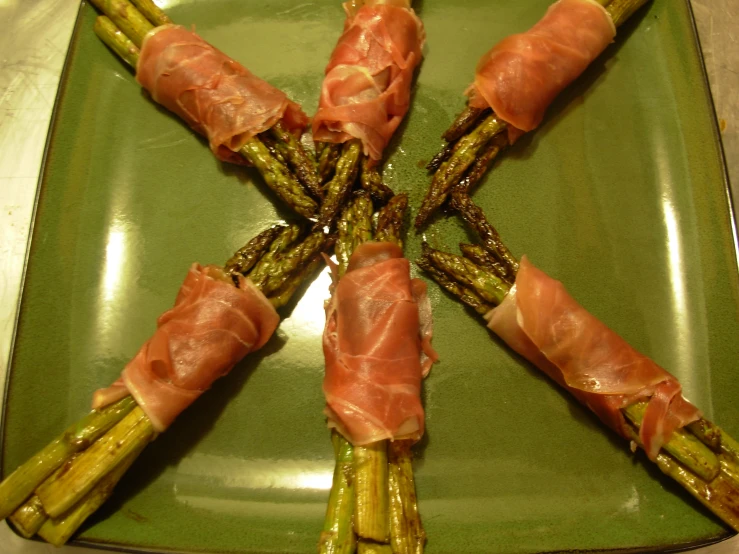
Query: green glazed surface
{"x": 619, "y": 194}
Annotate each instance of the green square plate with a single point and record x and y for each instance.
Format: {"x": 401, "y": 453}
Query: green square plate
{"x": 621, "y": 194}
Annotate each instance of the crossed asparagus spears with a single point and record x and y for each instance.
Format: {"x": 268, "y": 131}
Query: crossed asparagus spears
{"x": 287, "y": 168}
{"x": 701, "y": 457}
{"x": 372, "y": 505}
{"x": 68, "y": 480}
{"x": 477, "y": 136}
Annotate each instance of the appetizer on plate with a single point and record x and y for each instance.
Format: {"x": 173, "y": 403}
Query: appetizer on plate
{"x": 514, "y": 84}
{"x": 377, "y": 345}
{"x": 535, "y": 316}
{"x": 220, "y": 315}
{"x": 365, "y": 94}
{"x": 246, "y": 120}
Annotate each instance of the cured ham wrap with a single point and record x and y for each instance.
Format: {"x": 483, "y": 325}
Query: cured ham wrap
{"x": 367, "y": 88}
{"x": 365, "y": 94}
{"x": 220, "y": 315}
{"x": 542, "y": 322}
{"x": 514, "y": 84}
{"x": 246, "y": 120}
{"x": 377, "y": 348}
{"x": 211, "y": 327}
{"x": 536, "y": 317}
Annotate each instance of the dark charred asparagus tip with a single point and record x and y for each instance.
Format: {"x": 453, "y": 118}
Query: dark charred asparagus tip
{"x": 489, "y": 152}
{"x": 464, "y": 294}
{"x": 443, "y": 155}
{"x": 390, "y": 220}
{"x": 452, "y": 170}
{"x": 298, "y": 160}
{"x": 244, "y": 259}
{"x": 338, "y": 189}
{"x": 464, "y": 122}
{"x": 372, "y": 181}
{"x": 475, "y": 217}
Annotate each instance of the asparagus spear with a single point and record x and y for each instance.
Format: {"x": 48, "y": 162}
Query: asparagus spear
{"x": 700, "y": 457}
{"x": 355, "y": 227}
{"x": 338, "y": 530}
{"x": 123, "y": 28}
{"x": 338, "y": 189}
{"x": 473, "y": 133}
{"x": 152, "y": 12}
{"x": 372, "y": 181}
{"x": 327, "y": 158}
{"x": 106, "y": 441}
{"x": 390, "y": 220}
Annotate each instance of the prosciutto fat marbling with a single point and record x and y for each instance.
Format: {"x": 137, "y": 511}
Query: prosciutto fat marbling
{"x": 521, "y": 75}
{"x": 543, "y": 323}
{"x": 218, "y": 97}
{"x": 211, "y": 327}
{"x": 377, "y": 345}
{"x": 367, "y": 87}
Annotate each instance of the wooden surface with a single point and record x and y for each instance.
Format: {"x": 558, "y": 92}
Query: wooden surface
{"x": 34, "y": 35}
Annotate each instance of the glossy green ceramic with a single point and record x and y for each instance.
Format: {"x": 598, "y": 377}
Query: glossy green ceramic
{"x": 620, "y": 194}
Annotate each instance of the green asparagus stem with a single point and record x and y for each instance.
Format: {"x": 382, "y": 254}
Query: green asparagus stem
{"x": 285, "y": 293}
{"x": 372, "y": 181}
{"x": 126, "y": 17}
{"x": 338, "y": 533}
{"x": 485, "y": 284}
{"x": 621, "y": 10}
{"x": 128, "y": 436}
{"x": 245, "y": 258}
{"x": 58, "y": 531}
{"x": 683, "y": 446}
{"x": 484, "y": 259}
{"x": 406, "y": 532}
{"x": 279, "y": 178}
{"x": 466, "y": 120}
{"x": 390, "y": 220}
{"x": 491, "y": 240}
{"x": 19, "y": 485}
{"x": 355, "y": 227}
{"x": 327, "y": 159}
{"x": 369, "y": 547}
{"x": 298, "y": 159}
{"x": 481, "y": 163}
{"x": 371, "y": 519}
{"x": 29, "y": 518}
{"x": 464, "y": 294}
{"x": 289, "y": 264}
{"x": 452, "y": 170}
{"x": 116, "y": 40}
{"x": 338, "y": 189}
{"x": 152, "y": 12}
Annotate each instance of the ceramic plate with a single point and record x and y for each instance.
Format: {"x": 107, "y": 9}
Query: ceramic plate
{"x": 621, "y": 194}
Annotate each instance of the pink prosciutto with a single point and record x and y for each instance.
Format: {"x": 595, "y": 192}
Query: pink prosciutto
{"x": 367, "y": 88}
{"x": 211, "y": 327}
{"x": 377, "y": 345}
{"x": 522, "y": 74}
{"x": 218, "y": 97}
{"x": 543, "y": 323}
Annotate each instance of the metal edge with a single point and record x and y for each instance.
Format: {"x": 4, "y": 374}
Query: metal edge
{"x": 716, "y": 133}
{"x": 39, "y": 185}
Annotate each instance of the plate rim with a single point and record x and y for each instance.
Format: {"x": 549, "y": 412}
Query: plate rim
{"x": 44, "y": 166}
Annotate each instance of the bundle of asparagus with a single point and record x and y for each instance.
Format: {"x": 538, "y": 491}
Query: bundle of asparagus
{"x": 478, "y": 135}
{"x": 56, "y": 490}
{"x": 372, "y": 505}
{"x": 286, "y": 167}
{"x": 700, "y": 456}
{"x": 364, "y": 97}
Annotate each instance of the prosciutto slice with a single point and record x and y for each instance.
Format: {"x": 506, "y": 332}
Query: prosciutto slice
{"x": 377, "y": 345}
{"x": 367, "y": 88}
{"x": 543, "y": 323}
{"x": 522, "y": 74}
{"x": 211, "y": 327}
{"x": 218, "y": 97}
